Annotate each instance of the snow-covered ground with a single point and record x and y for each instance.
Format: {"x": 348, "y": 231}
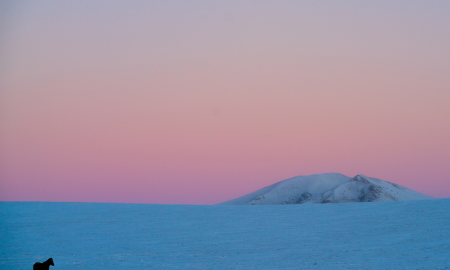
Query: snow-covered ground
{"x": 382, "y": 235}
{"x": 328, "y": 188}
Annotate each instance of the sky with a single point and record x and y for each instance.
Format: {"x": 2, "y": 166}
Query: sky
{"x": 198, "y": 102}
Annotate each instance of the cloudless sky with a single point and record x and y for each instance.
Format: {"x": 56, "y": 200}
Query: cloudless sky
{"x": 198, "y": 102}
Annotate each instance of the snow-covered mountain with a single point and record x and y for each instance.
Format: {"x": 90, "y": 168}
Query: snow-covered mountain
{"x": 328, "y": 188}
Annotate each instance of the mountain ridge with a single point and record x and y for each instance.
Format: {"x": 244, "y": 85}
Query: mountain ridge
{"x": 328, "y": 188}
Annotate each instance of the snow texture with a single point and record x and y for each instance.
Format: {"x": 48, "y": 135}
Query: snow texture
{"x": 384, "y": 235}
{"x": 328, "y": 188}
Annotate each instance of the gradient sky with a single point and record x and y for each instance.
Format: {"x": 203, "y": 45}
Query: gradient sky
{"x": 197, "y": 102}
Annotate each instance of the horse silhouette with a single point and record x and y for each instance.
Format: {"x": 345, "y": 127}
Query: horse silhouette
{"x": 44, "y": 265}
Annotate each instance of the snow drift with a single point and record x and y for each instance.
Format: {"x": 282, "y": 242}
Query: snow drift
{"x": 328, "y": 188}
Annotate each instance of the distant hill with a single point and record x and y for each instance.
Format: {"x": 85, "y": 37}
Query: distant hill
{"x": 328, "y": 188}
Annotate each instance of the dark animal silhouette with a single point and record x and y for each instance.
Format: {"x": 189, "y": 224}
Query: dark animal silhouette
{"x": 44, "y": 265}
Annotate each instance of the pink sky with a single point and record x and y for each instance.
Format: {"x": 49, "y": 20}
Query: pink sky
{"x": 202, "y": 102}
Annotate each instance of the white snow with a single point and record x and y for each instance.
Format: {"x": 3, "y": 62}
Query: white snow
{"x": 384, "y": 235}
{"x": 328, "y": 188}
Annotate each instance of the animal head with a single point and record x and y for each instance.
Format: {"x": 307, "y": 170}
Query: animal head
{"x": 51, "y": 261}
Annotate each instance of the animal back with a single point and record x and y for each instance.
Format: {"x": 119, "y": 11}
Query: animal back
{"x": 40, "y": 266}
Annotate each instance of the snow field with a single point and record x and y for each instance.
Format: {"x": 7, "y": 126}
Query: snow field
{"x": 382, "y": 235}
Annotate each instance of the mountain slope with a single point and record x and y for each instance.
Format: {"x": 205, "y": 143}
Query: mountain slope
{"x": 328, "y": 188}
